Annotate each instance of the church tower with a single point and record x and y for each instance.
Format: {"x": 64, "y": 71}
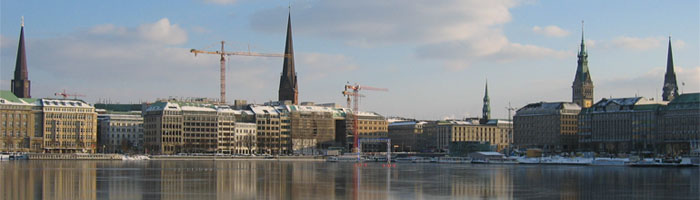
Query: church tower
{"x": 486, "y": 110}
{"x": 582, "y": 87}
{"x": 670, "y": 89}
{"x": 289, "y": 90}
{"x": 21, "y": 86}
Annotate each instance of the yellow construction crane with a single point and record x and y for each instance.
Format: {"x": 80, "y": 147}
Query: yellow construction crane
{"x": 223, "y": 63}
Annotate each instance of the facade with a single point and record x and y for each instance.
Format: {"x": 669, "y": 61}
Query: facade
{"x": 69, "y": 126}
{"x": 679, "y": 125}
{"x": 21, "y": 86}
{"x": 226, "y": 140}
{"x": 163, "y": 128}
{"x": 312, "y": 127}
{"x": 120, "y": 132}
{"x": 670, "y": 87}
{"x": 20, "y": 128}
{"x": 289, "y": 88}
{"x": 582, "y": 88}
{"x": 370, "y": 125}
{"x": 245, "y": 138}
{"x": 620, "y": 125}
{"x": 445, "y": 133}
{"x": 405, "y": 135}
{"x": 551, "y": 126}
{"x": 271, "y": 139}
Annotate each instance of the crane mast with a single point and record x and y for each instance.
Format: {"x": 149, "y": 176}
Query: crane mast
{"x": 353, "y": 91}
{"x": 223, "y": 54}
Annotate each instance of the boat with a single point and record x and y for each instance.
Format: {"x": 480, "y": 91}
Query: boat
{"x": 506, "y": 160}
{"x": 424, "y": 160}
{"x": 405, "y": 159}
{"x": 454, "y": 160}
{"x": 136, "y": 157}
{"x": 655, "y": 162}
{"x": 346, "y": 158}
{"x": 610, "y": 161}
{"x": 4, "y": 157}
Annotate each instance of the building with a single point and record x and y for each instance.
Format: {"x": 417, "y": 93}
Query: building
{"x": 163, "y": 128}
{"x": 679, "y": 125}
{"x": 69, "y": 126}
{"x": 120, "y": 132}
{"x": 670, "y": 87}
{"x": 289, "y": 88}
{"x": 271, "y": 138}
{"x": 445, "y": 133}
{"x": 312, "y": 127}
{"x": 582, "y": 88}
{"x": 21, "y": 124}
{"x": 405, "y": 135}
{"x": 21, "y": 86}
{"x": 245, "y": 138}
{"x": 620, "y": 125}
{"x": 551, "y": 126}
{"x": 369, "y": 125}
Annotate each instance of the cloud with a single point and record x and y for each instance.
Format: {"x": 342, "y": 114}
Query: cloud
{"x": 199, "y": 29}
{"x": 649, "y": 84}
{"x": 551, "y": 30}
{"x": 636, "y": 43}
{"x": 393, "y": 21}
{"x": 221, "y": 2}
{"x": 456, "y": 32}
{"x": 320, "y": 65}
{"x": 162, "y": 31}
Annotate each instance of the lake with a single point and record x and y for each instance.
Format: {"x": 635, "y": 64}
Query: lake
{"x": 261, "y": 179}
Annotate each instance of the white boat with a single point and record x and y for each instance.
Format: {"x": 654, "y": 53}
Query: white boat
{"x": 4, "y": 157}
{"x": 454, "y": 160}
{"x": 424, "y": 160}
{"x": 405, "y": 159}
{"x": 346, "y": 158}
{"x": 506, "y": 160}
{"x": 136, "y": 157}
{"x": 610, "y": 161}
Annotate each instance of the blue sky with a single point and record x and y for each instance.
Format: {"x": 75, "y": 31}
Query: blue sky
{"x": 433, "y": 56}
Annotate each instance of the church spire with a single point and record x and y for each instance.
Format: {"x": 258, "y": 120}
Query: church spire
{"x": 288, "y": 90}
{"x": 670, "y": 89}
{"x": 21, "y": 84}
{"x": 486, "y": 110}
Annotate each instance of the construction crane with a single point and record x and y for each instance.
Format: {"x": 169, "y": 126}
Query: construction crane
{"x": 65, "y": 95}
{"x": 354, "y": 92}
{"x": 223, "y": 63}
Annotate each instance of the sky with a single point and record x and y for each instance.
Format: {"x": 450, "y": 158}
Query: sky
{"x": 434, "y": 57}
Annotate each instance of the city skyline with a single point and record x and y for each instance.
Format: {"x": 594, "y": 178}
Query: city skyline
{"x": 440, "y": 63}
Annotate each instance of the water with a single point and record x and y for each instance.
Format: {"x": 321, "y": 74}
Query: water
{"x": 320, "y": 180}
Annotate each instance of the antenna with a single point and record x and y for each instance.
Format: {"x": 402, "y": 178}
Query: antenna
{"x": 22, "y": 21}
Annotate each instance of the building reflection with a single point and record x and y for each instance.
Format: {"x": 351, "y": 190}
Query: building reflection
{"x": 207, "y": 179}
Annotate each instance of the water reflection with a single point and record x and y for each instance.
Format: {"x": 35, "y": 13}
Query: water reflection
{"x": 320, "y": 180}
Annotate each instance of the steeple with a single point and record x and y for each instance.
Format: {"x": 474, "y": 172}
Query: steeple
{"x": 486, "y": 110}
{"x": 670, "y": 89}
{"x": 582, "y": 87}
{"x": 21, "y": 84}
{"x": 288, "y": 90}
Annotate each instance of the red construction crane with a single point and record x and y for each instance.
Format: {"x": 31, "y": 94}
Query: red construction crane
{"x": 354, "y": 92}
{"x": 66, "y": 95}
{"x": 223, "y": 63}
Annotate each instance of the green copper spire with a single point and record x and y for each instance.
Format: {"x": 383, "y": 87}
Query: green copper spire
{"x": 487, "y": 104}
{"x": 582, "y": 88}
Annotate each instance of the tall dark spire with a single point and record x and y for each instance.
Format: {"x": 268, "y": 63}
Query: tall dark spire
{"x": 670, "y": 89}
{"x": 20, "y": 84}
{"x": 582, "y": 87}
{"x": 486, "y": 110}
{"x": 289, "y": 90}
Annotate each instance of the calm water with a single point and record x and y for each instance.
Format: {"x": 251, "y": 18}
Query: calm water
{"x": 319, "y": 180}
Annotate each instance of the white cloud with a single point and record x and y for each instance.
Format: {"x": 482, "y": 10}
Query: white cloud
{"x": 163, "y": 31}
{"x": 637, "y": 43}
{"x": 320, "y": 65}
{"x": 649, "y": 84}
{"x": 456, "y": 32}
{"x": 551, "y": 30}
{"x": 222, "y": 2}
